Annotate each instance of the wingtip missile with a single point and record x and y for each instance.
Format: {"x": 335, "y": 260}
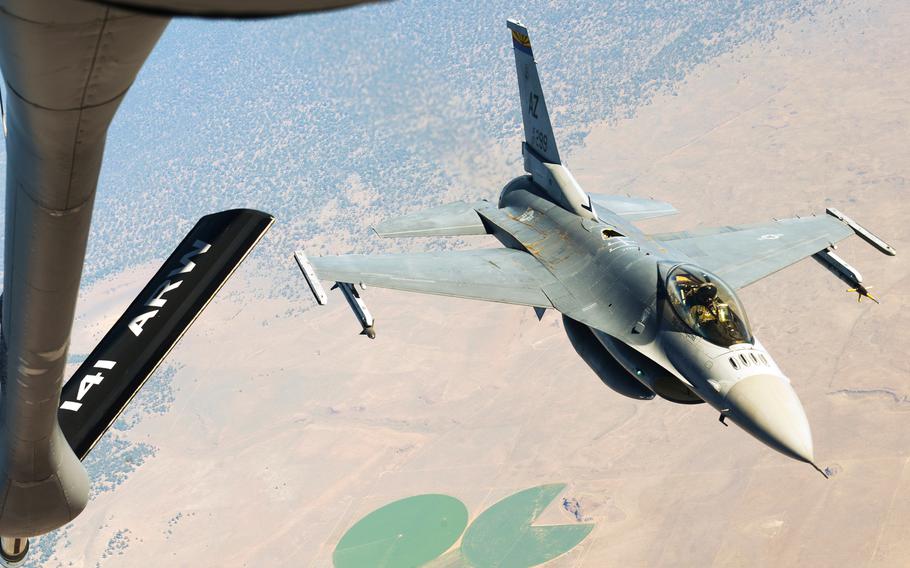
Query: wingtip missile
{"x": 311, "y": 279}
{"x": 862, "y": 232}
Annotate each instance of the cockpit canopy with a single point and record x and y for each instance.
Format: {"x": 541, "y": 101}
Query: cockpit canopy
{"x": 708, "y": 306}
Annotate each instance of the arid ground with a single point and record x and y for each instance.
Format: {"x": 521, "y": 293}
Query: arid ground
{"x": 287, "y": 427}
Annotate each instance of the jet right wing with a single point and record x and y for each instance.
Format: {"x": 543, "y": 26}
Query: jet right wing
{"x": 494, "y": 275}
{"x": 744, "y": 254}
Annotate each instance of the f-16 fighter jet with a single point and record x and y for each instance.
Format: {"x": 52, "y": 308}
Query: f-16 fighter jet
{"x": 650, "y": 314}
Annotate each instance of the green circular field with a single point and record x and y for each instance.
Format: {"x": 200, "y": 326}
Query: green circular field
{"x": 503, "y": 536}
{"x": 406, "y": 533}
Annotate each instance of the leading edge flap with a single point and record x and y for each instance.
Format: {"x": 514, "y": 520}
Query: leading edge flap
{"x": 154, "y": 322}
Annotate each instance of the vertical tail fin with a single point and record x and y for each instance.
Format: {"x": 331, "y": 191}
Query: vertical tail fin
{"x": 539, "y": 150}
{"x": 538, "y": 130}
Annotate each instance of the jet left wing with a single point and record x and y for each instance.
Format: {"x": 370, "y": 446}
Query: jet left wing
{"x": 744, "y": 254}
{"x": 494, "y": 275}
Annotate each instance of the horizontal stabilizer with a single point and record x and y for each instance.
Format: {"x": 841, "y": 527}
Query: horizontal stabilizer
{"x": 134, "y": 347}
{"x": 632, "y": 208}
{"x": 450, "y": 220}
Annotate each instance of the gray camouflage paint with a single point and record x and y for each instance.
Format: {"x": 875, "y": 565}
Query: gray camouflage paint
{"x": 580, "y": 254}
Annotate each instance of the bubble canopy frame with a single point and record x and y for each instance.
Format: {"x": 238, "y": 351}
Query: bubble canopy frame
{"x": 708, "y": 306}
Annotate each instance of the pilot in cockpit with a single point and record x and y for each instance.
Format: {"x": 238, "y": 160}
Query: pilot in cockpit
{"x": 708, "y": 307}
{"x": 702, "y": 302}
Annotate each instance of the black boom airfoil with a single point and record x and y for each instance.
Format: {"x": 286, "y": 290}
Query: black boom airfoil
{"x": 154, "y": 322}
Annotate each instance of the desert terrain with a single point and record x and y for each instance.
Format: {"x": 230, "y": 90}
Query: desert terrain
{"x": 286, "y": 427}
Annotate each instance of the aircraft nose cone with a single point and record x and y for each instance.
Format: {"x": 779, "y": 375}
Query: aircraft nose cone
{"x": 767, "y": 407}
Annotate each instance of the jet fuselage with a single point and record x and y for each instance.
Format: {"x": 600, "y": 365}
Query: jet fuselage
{"x": 618, "y": 279}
